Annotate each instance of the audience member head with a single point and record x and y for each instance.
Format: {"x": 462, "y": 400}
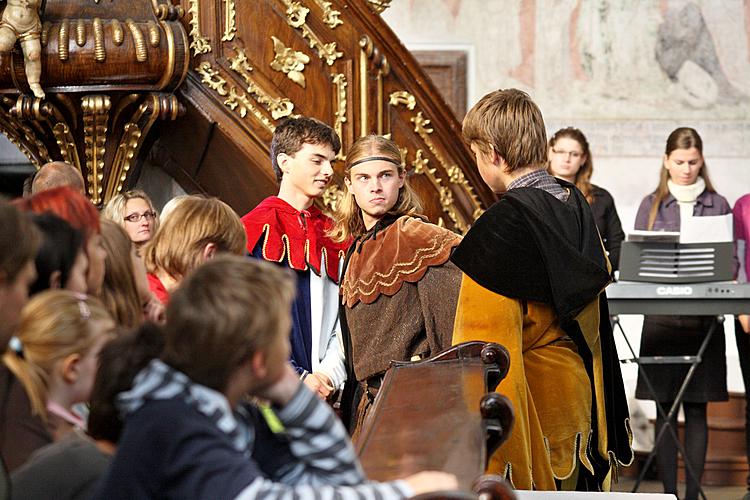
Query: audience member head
{"x": 120, "y": 360}
{"x": 682, "y": 164}
{"x": 61, "y": 261}
{"x": 505, "y": 130}
{"x": 170, "y": 205}
{"x": 230, "y": 311}
{"x": 375, "y": 187}
{"x": 120, "y": 292}
{"x": 134, "y": 211}
{"x": 79, "y": 212}
{"x": 54, "y": 352}
{"x": 302, "y": 153}
{"x": 196, "y": 230}
{"x": 570, "y": 159}
{"x": 19, "y": 241}
{"x": 57, "y": 174}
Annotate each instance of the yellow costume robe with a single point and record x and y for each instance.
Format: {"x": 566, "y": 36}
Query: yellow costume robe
{"x": 534, "y": 272}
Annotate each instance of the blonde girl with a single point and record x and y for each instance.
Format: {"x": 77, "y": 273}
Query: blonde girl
{"x": 49, "y": 366}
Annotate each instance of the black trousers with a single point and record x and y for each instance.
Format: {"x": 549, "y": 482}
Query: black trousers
{"x": 743, "y": 350}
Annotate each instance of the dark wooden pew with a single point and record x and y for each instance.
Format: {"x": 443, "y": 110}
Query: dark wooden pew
{"x": 441, "y": 414}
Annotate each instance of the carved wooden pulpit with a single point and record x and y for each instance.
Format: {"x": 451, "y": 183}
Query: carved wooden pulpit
{"x": 440, "y": 414}
{"x": 196, "y": 87}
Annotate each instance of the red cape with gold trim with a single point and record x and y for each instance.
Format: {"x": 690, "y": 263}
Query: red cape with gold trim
{"x": 300, "y": 236}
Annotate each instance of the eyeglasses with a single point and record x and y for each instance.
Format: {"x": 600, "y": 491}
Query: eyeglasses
{"x": 136, "y": 217}
{"x": 573, "y": 154}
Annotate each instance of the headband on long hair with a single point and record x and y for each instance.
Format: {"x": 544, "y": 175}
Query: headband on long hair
{"x": 374, "y": 158}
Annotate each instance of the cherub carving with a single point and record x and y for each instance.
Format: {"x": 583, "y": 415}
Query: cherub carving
{"x": 20, "y": 21}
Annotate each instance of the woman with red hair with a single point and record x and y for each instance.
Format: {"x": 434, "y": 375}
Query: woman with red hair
{"x": 79, "y": 212}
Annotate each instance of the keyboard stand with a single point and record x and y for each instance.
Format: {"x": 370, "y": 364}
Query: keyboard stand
{"x": 694, "y": 361}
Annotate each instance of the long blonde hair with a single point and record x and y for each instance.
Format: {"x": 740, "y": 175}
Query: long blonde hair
{"x": 680, "y": 138}
{"x": 348, "y": 222}
{"x": 54, "y": 325}
{"x": 195, "y": 222}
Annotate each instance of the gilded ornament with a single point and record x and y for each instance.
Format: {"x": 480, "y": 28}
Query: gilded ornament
{"x": 295, "y": 17}
{"x": 421, "y": 166}
{"x": 95, "y": 113}
{"x": 118, "y": 34}
{"x": 200, "y": 44}
{"x": 99, "y": 52}
{"x": 330, "y": 16}
{"x": 332, "y": 196}
{"x": 379, "y": 5}
{"x": 141, "y": 54}
{"x": 45, "y": 33}
{"x": 279, "y": 107}
{"x": 80, "y": 32}
{"x": 230, "y": 21}
{"x": 456, "y": 175}
{"x": 402, "y": 97}
{"x": 295, "y": 13}
{"x": 154, "y": 34}
{"x": 212, "y": 79}
{"x": 165, "y": 12}
{"x": 66, "y": 143}
{"x": 63, "y": 38}
{"x": 236, "y": 101}
{"x": 289, "y": 61}
{"x": 24, "y": 113}
{"x": 422, "y": 128}
{"x": 156, "y": 106}
{"x": 339, "y": 81}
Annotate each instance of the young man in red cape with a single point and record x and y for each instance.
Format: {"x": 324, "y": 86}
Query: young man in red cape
{"x": 288, "y": 229}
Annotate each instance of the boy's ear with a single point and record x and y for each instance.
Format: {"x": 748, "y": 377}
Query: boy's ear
{"x": 69, "y": 368}
{"x": 258, "y": 365}
{"x": 494, "y": 158}
{"x": 282, "y": 160}
{"x": 209, "y": 251}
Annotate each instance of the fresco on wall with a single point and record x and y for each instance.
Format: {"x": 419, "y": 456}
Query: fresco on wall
{"x": 633, "y": 62}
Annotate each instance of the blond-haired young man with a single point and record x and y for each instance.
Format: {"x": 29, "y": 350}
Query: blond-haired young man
{"x": 534, "y": 272}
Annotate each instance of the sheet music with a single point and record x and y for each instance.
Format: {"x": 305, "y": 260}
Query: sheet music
{"x": 708, "y": 229}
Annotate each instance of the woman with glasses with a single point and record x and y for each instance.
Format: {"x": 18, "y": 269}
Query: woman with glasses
{"x": 570, "y": 159}
{"x": 134, "y": 211}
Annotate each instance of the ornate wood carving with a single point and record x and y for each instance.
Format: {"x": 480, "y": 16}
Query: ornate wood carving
{"x": 357, "y": 77}
{"x": 217, "y": 55}
{"x": 109, "y": 71}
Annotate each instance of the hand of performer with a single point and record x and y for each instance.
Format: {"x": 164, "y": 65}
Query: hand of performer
{"x": 319, "y": 384}
{"x": 429, "y": 481}
{"x": 745, "y": 322}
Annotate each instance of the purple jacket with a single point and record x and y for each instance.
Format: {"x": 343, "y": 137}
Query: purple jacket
{"x": 668, "y": 216}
